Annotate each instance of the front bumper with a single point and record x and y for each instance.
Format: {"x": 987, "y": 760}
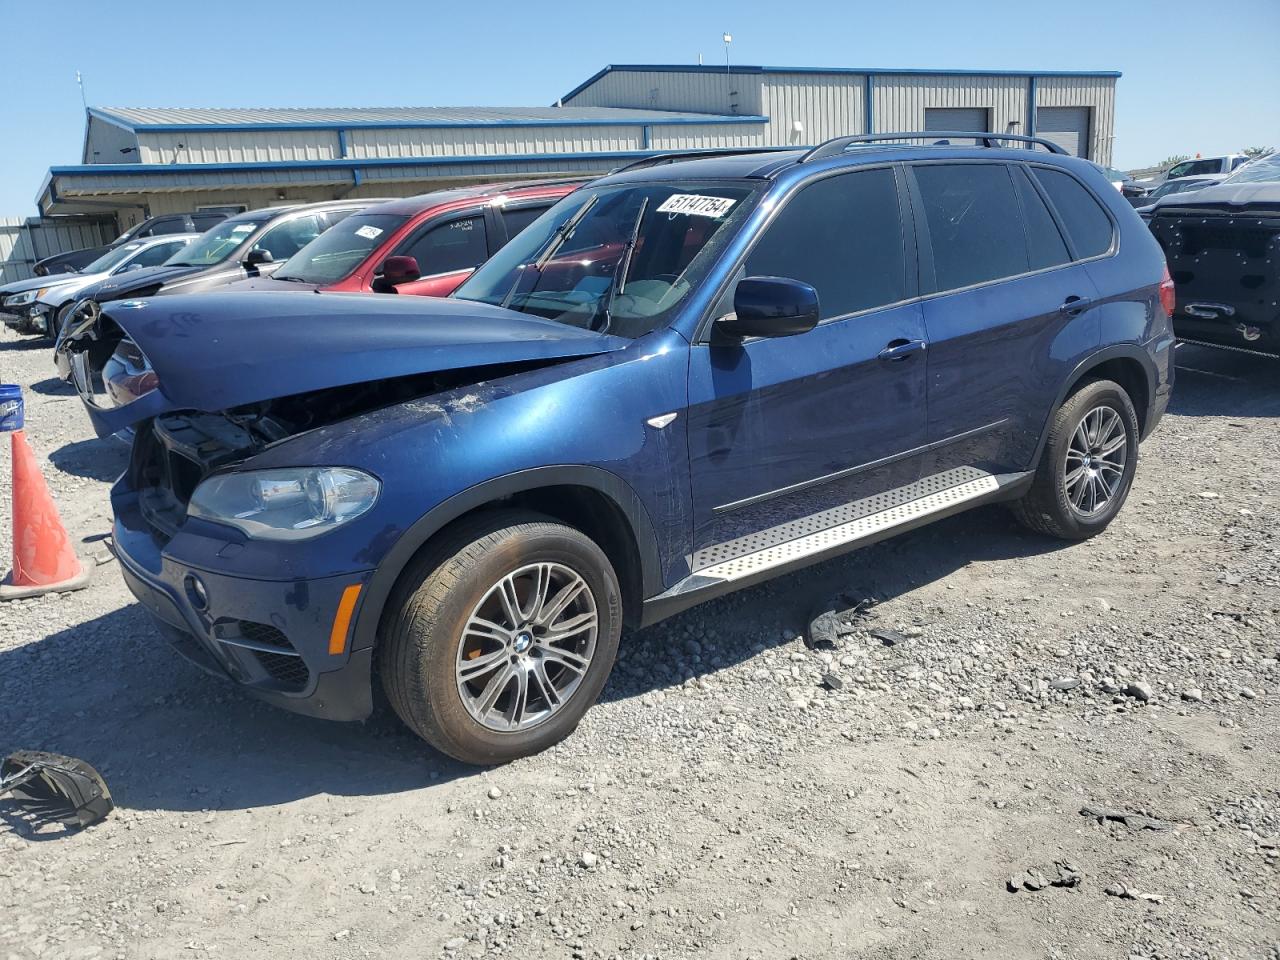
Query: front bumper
{"x": 270, "y": 637}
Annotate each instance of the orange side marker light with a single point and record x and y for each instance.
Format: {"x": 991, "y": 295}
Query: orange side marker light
{"x": 342, "y": 620}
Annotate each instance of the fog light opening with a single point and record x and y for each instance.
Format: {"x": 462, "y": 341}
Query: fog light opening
{"x": 196, "y": 593}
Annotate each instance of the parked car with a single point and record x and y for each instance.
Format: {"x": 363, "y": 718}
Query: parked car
{"x": 1181, "y": 185}
{"x": 1199, "y": 166}
{"x": 431, "y": 243}
{"x": 1128, "y": 187}
{"x": 684, "y": 379}
{"x": 249, "y": 244}
{"x": 30, "y": 306}
{"x": 1223, "y": 247}
{"x": 170, "y": 223}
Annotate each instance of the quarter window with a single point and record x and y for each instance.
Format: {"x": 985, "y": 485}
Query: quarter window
{"x": 974, "y": 223}
{"x": 1087, "y": 224}
{"x": 449, "y": 246}
{"x": 843, "y": 235}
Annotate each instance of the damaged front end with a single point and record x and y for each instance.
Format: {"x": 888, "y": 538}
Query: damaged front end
{"x": 242, "y": 457}
{"x": 1224, "y": 258}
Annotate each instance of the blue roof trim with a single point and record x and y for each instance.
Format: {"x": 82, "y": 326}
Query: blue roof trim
{"x": 712, "y": 118}
{"x": 139, "y": 169}
{"x": 863, "y": 71}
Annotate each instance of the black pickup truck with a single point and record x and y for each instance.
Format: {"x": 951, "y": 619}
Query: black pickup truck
{"x": 1222, "y": 245}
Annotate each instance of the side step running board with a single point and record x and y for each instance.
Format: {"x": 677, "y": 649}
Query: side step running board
{"x": 867, "y": 525}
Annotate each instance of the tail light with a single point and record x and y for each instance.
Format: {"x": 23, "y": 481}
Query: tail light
{"x": 1167, "y": 299}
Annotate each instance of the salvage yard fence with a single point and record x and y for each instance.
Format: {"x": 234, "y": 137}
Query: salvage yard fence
{"x": 24, "y": 240}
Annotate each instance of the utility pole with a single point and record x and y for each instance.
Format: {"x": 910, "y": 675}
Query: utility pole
{"x": 728, "y": 39}
{"x": 80, "y": 83}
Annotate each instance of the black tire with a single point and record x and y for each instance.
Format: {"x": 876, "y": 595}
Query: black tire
{"x": 1046, "y": 507}
{"x": 419, "y": 645}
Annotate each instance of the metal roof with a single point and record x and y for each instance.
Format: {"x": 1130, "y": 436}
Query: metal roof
{"x": 257, "y": 118}
{"x": 862, "y": 71}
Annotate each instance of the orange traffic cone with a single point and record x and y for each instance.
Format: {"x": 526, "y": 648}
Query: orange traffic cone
{"x": 44, "y": 560}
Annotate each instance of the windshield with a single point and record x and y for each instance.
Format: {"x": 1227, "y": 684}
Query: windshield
{"x": 615, "y": 258}
{"x": 112, "y": 258}
{"x": 215, "y": 245}
{"x": 1268, "y": 168}
{"x": 332, "y": 256}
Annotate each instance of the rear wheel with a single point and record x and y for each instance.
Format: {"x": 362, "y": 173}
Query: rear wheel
{"x": 503, "y": 636}
{"x": 1087, "y": 466}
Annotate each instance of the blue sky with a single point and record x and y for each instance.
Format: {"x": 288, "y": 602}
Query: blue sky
{"x": 1198, "y": 77}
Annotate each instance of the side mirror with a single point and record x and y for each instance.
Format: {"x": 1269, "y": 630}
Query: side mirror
{"x": 395, "y": 270}
{"x": 257, "y": 257}
{"x": 771, "y": 307}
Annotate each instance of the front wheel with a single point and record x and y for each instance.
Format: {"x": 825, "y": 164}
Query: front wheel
{"x": 503, "y": 636}
{"x": 1087, "y": 466}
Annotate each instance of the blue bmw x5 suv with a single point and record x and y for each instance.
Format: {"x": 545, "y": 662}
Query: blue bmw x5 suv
{"x": 684, "y": 378}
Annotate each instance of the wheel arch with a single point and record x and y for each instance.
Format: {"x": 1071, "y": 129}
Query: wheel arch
{"x": 1127, "y": 364}
{"x": 593, "y": 500}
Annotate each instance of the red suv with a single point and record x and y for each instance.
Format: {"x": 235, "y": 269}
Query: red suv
{"x": 424, "y": 245}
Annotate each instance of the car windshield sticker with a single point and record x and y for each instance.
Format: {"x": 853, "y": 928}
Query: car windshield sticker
{"x": 369, "y": 233}
{"x": 244, "y": 228}
{"x": 696, "y": 205}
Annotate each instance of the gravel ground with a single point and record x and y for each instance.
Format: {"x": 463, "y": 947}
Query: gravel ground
{"x": 723, "y": 800}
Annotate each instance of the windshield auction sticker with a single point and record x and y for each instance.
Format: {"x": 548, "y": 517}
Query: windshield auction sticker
{"x": 368, "y": 232}
{"x": 696, "y": 205}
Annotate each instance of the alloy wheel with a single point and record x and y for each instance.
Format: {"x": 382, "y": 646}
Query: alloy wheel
{"x": 1096, "y": 460}
{"x": 526, "y": 647}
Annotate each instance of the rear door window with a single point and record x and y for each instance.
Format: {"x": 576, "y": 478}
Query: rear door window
{"x": 457, "y": 244}
{"x": 1086, "y": 222}
{"x": 158, "y": 253}
{"x": 1045, "y": 246}
{"x": 842, "y": 235}
{"x": 517, "y": 218}
{"x": 974, "y": 221}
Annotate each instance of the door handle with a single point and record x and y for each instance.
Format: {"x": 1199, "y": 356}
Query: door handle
{"x": 1075, "y": 305}
{"x": 899, "y": 350}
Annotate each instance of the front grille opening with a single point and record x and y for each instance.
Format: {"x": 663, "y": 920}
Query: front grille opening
{"x": 184, "y": 477}
{"x": 264, "y": 633}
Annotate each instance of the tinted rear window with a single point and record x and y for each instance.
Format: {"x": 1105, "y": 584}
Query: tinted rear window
{"x": 1086, "y": 222}
{"x": 974, "y": 223}
{"x": 1045, "y": 245}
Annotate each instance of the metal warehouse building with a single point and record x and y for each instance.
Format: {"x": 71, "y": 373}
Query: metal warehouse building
{"x": 140, "y": 162}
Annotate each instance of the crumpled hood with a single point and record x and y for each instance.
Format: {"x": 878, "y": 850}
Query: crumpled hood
{"x": 214, "y": 351}
{"x": 35, "y": 283}
{"x": 123, "y": 284}
{"x": 1225, "y": 195}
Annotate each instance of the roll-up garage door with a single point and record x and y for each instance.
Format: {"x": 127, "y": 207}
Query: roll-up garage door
{"x": 956, "y": 118}
{"x": 1068, "y": 127}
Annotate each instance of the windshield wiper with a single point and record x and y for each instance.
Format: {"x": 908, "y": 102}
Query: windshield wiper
{"x": 618, "y": 283}
{"x": 291, "y": 279}
{"x": 555, "y": 242}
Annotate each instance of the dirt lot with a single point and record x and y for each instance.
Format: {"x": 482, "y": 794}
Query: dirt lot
{"x": 720, "y": 801}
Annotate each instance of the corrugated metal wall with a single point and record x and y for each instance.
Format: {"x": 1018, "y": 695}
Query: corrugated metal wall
{"x": 106, "y": 143}
{"x": 900, "y": 100}
{"x": 23, "y": 241}
{"x": 487, "y": 141}
{"x": 1097, "y": 93}
{"x": 238, "y": 146}
{"x": 826, "y": 106}
{"x": 662, "y": 90}
{"x": 706, "y": 136}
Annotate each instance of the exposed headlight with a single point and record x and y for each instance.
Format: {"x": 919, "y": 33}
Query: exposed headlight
{"x": 293, "y": 503}
{"x": 21, "y": 299}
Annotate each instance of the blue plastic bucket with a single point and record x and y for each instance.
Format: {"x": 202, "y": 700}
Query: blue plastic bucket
{"x": 10, "y": 407}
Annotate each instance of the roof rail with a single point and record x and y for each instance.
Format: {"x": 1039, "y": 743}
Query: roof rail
{"x": 834, "y": 148}
{"x": 677, "y": 156}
